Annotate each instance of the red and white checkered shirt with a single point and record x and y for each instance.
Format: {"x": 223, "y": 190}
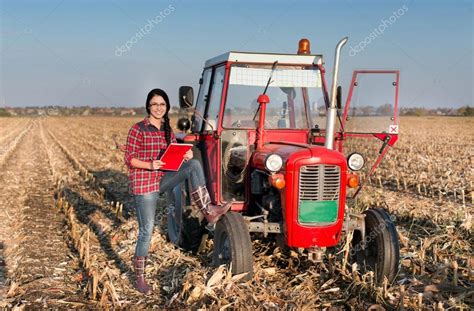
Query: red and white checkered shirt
{"x": 145, "y": 142}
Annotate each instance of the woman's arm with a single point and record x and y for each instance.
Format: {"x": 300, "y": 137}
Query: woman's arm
{"x": 133, "y": 146}
{"x": 146, "y": 165}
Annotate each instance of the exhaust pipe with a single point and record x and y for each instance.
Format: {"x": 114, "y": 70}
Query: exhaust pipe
{"x": 332, "y": 111}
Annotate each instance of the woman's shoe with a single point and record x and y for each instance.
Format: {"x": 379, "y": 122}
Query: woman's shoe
{"x": 139, "y": 267}
{"x": 212, "y": 212}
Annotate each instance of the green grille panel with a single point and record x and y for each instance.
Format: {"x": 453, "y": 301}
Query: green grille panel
{"x": 317, "y": 211}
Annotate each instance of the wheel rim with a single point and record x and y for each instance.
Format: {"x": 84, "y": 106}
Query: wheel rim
{"x": 225, "y": 254}
{"x": 370, "y": 254}
{"x": 174, "y": 222}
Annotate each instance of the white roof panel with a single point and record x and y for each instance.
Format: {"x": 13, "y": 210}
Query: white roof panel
{"x": 247, "y": 57}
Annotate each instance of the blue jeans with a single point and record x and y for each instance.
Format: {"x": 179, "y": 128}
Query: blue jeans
{"x": 146, "y": 204}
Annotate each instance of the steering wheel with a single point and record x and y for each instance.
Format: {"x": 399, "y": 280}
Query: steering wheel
{"x": 237, "y": 123}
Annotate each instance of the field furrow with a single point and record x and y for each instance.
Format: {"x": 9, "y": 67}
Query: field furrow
{"x": 38, "y": 264}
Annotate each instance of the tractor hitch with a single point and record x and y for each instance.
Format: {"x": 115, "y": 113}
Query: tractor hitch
{"x": 316, "y": 254}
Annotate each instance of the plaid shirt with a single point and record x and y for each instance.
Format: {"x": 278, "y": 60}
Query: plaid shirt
{"x": 145, "y": 142}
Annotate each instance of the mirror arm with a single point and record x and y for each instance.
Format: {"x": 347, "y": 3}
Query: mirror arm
{"x": 204, "y": 119}
{"x": 187, "y": 101}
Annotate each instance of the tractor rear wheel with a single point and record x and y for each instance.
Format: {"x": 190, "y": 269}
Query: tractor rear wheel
{"x": 381, "y": 253}
{"x": 184, "y": 228}
{"x": 232, "y": 245}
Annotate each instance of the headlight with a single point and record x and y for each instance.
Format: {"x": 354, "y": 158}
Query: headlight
{"x": 355, "y": 161}
{"x": 273, "y": 163}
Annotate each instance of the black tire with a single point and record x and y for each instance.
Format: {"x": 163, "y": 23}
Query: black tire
{"x": 382, "y": 251}
{"x": 232, "y": 245}
{"x": 183, "y": 229}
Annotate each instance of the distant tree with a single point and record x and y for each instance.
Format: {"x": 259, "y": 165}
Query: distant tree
{"x": 384, "y": 110}
{"x": 367, "y": 110}
{"x": 419, "y": 112}
{"x": 4, "y": 113}
{"x": 466, "y": 111}
{"x": 174, "y": 109}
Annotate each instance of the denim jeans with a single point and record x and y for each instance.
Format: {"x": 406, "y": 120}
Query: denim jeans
{"x": 146, "y": 204}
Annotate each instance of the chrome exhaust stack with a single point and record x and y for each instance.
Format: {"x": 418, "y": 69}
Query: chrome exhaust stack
{"x": 332, "y": 111}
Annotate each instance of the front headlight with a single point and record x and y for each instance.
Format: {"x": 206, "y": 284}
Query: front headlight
{"x": 355, "y": 161}
{"x": 273, "y": 163}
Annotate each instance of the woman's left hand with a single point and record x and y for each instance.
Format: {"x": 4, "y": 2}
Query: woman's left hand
{"x": 188, "y": 155}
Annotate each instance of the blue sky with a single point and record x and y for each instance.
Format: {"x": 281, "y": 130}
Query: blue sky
{"x": 67, "y": 52}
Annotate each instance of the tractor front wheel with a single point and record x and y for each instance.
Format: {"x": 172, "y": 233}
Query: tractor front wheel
{"x": 379, "y": 251}
{"x": 232, "y": 245}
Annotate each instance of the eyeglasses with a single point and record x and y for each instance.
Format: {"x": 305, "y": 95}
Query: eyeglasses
{"x": 158, "y": 105}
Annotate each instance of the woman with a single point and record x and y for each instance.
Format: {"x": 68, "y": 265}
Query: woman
{"x": 146, "y": 142}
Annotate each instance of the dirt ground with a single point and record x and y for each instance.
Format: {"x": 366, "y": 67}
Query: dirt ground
{"x": 68, "y": 229}
{"x": 37, "y": 263}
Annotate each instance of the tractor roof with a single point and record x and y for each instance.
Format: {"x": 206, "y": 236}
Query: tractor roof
{"x": 248, "y": 57}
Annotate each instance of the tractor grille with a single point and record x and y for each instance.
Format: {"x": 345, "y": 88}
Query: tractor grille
{"x": 319, "y": 182}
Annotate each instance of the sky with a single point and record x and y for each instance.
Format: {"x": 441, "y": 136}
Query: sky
{"x": 111, "y": 53}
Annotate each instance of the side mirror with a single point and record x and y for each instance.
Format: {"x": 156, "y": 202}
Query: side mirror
{"x": 339, "y": 97}
{"x": 186, "y": 97}
{"x": 183, "y": 124}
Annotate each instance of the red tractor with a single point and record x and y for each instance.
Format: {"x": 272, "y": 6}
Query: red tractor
{"x": 274, "y": 143}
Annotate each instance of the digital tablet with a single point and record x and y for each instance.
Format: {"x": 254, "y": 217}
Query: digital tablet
{"x": 174, "y": 156}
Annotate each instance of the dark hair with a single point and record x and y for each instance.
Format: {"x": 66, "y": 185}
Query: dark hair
{"x": 166, "y": 123}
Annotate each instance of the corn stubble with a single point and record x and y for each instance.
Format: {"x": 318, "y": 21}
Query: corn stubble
{"x": 425, "y": 182}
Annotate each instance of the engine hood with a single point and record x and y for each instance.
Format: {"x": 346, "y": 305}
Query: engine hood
{"x": 292, "y": 152}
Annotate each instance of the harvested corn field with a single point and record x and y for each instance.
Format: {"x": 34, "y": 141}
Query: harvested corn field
{"x": 68, "y": 229}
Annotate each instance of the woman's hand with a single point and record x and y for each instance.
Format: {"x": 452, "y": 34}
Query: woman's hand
{"x": 156, "y": 165}
{"x": 188, "y": 155}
